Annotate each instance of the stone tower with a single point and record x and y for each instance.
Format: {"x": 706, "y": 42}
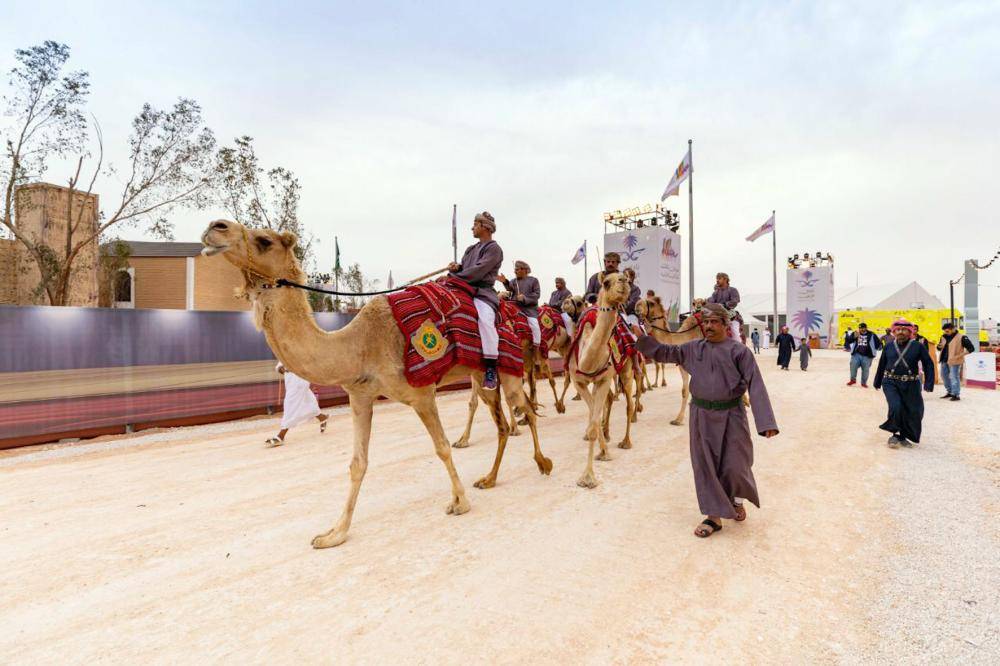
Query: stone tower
{"x": 43, "y": 215}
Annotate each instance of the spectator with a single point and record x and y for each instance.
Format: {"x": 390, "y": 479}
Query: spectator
{"x": 755, "y": 339}
{"x": 847, "y": 338}
{"x": 863, "y": 347}
{"x": 953, "y": 347}
{"x": 805, "y": 353}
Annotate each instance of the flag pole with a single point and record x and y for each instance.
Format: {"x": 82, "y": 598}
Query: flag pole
{"x": 585, "y": 275}
{"x": 454, "y": 233}
{"x": 774, "y": 259}
{"x": 691, "y": 222}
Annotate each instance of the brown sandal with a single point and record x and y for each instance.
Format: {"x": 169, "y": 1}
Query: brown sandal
{"x": 707, "y": 528}
{"x": 741, "y": 513}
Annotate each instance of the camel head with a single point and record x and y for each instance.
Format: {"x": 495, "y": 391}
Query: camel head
{"x": 573, "y": 306}
{"x": 697, "y": 304}
{"x": 615, "y": 288}
{"x": 263, "y": 255}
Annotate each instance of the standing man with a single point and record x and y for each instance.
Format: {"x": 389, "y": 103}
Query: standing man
{"x": 755, "y": 339}
{"x": 728, "y": 297}
{"x": 634, "y": 295}
{"x": 556, "y": 300}
{"x": 767, "y": 338}
{"x": 863, "y": 346}
{"x": 478, "y": 268}
{"x": 611, "y": 261}
{"x": 786, "y": 345}
{"x": 299, "y": 406}
{"x": 898, "y": 376}
{"x": 953, "y": 348}
{"x": 722, "y": 370}
{"x": 525, "y": 291}
{"x": 886, "y": 337}
{"x": 847, "y": 338}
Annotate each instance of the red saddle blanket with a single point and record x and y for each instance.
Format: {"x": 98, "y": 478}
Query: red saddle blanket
{"x": 441, "y": 328}
{"x": 622, "y": 343}
{"x": 551, "y": 322}
{"x": 511, "y": 315}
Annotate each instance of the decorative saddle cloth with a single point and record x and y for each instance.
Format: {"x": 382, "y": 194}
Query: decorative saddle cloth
{"x": 551, "y": 322}
{"x": 511, "y": 316}
{"x": 622, "y": 344}
{"x": 439, "y": 322}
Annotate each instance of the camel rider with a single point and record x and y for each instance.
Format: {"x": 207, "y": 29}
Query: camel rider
{"x": 729, "y": 298}
{"x": 556, "y": 300}
{"x": 479, "y": 267}
{"x": 634, "y": 295}
{"x": 611, "y": 261}
{"x": 525, "y": 290}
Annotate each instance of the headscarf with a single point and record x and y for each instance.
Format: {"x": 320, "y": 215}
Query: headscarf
{"x": 902, "y": 323}
{"x": 715, "y": 310}
{"x": 486, "y": 219}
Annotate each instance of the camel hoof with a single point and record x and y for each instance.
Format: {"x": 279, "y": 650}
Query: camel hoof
{"x": 638, "y": 407}
{"x": 634, "y": 419}
{"x": 544, "y": 465}
{"x": 677, "y": 422}
{"x": 514, "y": 433}
{"x": 577, "y": 398}
{"x": 625, "y": 444}
{"x": 587, "y": 481}
{"x": 603, "y": 456}
{"x": 461, "y": 444}
{"x": 485, "y": 482}
{"x": 457, "y": 507}
{"x": 331, "y": 539}
{"x": 561, "y": 407}
{"x": 523, "y": 422}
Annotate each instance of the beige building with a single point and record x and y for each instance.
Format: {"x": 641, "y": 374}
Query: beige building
{"x": 176, "y": 276}
{"x": 43, "y": 212}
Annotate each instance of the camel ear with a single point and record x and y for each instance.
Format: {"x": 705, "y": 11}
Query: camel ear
{"x": 289, "y": 239}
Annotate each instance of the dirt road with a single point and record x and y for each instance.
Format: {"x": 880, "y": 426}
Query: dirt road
{"x": 193, "y": 544}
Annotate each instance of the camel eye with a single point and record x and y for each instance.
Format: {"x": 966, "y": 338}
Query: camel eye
{"x": 263, "y": 243}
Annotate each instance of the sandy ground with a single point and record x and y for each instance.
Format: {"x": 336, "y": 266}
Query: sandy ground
{"x": 193, "y": 544}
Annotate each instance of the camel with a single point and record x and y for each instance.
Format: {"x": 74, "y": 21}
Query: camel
{"x": 365, "y": 358}
{"x": 642, "y": 312}
{"x": 592, "y": 365}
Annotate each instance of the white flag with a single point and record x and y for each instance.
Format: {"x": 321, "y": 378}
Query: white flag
{"x": 766, "y": 228}
{"x": 581, "y": 254}
{"x": 391, "y": 283}
{"x": 680, "y": 175}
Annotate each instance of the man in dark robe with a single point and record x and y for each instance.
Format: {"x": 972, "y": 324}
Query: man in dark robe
{"x": 479, "y": 267}
{"x": 786, "y": 345}
{"x": 634, "y": 296}
{"x": 728, "y": 297}
{"x": 611, "y": 261}
{"x": 899, "y": 378}
{"x": 525, "y": 291}
{"x": 561, "y": 293}
{"x": 722, "y": 370}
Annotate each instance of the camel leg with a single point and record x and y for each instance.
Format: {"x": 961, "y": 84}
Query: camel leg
{"x": 638, "y": 389}
{"x": 663, "y": 376}
{"x": 463, "y": 441}
{"x": 630, "y": 407}
{"x": 492, "y": 400}
{"x": 428, "y": 412}
{"x": 605, "y": 429}
{"x": 685, "y": 378}
{"x": 361, "y": 415}
{"x": 595, "y": 402}
{"x": 566, "y": 382}
{"x": 514, "y": 430}
{"x": 547, "y": 371}
{"x": 515, "y": 395}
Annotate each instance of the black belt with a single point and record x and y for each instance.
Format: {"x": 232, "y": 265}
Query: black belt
{"x": 902, "y": 378}
{"x": 716, "y": 405}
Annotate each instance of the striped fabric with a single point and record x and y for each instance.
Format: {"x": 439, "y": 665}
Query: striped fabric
{"x": 621, "y": 338}
{"x": 448, "y": 305}
{"x": 551, "y": 322}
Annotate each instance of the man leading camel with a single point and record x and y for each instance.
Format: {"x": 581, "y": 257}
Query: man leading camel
{"x": 722, "y": 370}
{"x": 525, "y": 291}
{"x": 479, "y": 267}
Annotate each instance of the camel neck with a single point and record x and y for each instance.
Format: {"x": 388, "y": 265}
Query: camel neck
{"x": 316, "y": 355}
{"x": 595, "y": 355}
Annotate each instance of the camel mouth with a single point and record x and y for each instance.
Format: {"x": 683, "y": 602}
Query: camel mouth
{"x": 210, "y": 250}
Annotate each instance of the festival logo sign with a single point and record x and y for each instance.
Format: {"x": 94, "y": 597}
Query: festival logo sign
{"x": 653, "y": 253}
{"x": 810, "y": 301}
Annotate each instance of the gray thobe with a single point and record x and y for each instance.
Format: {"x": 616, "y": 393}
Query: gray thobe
{"x": 594, "y": 286}
{"x": 479, "y": 267}
{"x": 634, "y": 295}
{"x": 530, "y": 289}
{"x": 721, "y": 444}
{"x": 557, "y": 298}
{"x": 727, "y": 296}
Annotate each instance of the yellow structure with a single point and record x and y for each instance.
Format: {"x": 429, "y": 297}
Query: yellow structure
{"x": 929, "y": 321}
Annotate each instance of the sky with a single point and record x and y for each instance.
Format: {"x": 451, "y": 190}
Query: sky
{"x": 870, "y": 128}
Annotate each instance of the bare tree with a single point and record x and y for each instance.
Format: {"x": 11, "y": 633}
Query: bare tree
{"x": 257, "y": 198}
{"x": 170, "y": 159}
